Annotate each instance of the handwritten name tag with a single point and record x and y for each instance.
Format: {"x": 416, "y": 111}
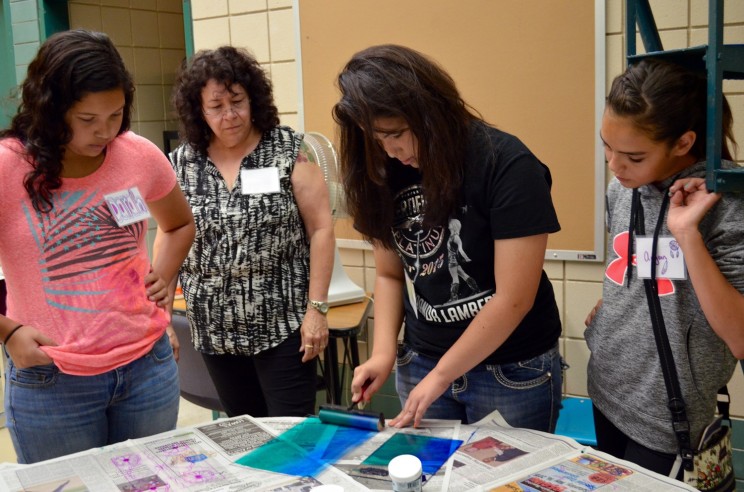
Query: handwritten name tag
{"x": 670, "y": 262}
{"x": 127, "y": 206}
{"x": 263, "y": 180}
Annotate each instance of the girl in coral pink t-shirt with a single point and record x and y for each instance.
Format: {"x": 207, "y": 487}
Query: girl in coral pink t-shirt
{"x": 85, "y": 330}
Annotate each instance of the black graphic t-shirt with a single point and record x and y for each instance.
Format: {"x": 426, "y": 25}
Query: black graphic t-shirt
{"x": 506, "y": 194}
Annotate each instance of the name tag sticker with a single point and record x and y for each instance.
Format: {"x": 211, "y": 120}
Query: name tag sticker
{"x": 670, "y": 262}
{"x": 127, "y": 206}
{"x": 263, "y": 180}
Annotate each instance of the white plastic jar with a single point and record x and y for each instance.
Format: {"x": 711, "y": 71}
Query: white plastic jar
{"x": 405, "y": 472}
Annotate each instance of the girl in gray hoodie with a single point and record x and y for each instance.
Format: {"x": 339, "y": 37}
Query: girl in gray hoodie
{"x": 653, "y": 131}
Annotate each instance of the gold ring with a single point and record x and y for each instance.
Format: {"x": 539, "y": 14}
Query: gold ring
{"x": 309, "y": 346}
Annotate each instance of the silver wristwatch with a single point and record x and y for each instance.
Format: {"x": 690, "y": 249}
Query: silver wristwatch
{"x": 321, "y": 306}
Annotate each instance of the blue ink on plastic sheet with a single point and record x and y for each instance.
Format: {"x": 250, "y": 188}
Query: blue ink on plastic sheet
{"x": 432, "y": 451}
{"x": 305, "y": 449}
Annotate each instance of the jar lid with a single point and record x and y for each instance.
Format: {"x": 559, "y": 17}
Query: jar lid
{"x": 327, "y": 488}
{"x": 404, "y": 468}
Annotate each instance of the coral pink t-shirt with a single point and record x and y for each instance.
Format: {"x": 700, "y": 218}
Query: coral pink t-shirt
{"x": 73, "y": 273}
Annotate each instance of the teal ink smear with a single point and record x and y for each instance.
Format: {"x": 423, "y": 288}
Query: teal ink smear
{"x": 432, "y": 451}
{"x": 305, "y": 449}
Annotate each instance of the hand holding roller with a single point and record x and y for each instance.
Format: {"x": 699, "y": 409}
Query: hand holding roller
{"x": 350, "y": 417}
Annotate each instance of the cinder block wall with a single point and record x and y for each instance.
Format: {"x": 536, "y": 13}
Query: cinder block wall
{"x": 149, "y": 35}
{"x": 266, "y": 28}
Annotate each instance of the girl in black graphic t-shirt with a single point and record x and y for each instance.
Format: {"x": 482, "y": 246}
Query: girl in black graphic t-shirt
{"x": 454, "y": 208}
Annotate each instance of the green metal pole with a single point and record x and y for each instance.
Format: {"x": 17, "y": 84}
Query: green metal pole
{"x": 188, "y": 28}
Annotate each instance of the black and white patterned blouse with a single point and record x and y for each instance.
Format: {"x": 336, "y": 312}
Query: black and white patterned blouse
{"x": 246, "y": 277}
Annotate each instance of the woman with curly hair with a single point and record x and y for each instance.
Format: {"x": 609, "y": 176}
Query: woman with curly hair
{"x": 90, "y": 362}
{"x": 256, "y": 279}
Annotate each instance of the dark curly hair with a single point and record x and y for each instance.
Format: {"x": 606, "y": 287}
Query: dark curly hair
{"x": 665, "y": 100}
{"x": 69, "y": 65}
{"x": 226, "y": 65}
{"x": 395, "y": 81}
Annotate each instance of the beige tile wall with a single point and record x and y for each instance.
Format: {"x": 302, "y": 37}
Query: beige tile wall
{"x": 267, "y": 28}
{"x": 150, "y": 37}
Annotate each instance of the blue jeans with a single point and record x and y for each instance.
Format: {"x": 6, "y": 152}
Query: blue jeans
{"x": 51, "y": 414}
{"x": 526, "y": 393}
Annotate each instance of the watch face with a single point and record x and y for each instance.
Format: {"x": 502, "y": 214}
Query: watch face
{"x": 320, "y": 306}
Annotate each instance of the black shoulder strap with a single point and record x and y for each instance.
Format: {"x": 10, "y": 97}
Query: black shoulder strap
{"x": 680, "y": 423}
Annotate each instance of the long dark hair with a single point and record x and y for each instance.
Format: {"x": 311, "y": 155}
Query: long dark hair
{"x": 226, "y": 65}
{"x": 394, "y": 81}
{"x": 665, "y": 100}
{"x": 69, "y": 65}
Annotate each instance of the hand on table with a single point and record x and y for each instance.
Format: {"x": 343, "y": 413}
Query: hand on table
{"x": 421, "y": 397}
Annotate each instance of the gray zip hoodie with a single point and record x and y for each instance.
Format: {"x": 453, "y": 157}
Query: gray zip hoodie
{"x": 625, "y": 376}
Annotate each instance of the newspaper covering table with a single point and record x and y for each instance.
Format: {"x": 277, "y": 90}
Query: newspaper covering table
{"x": 493, "y": 457}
